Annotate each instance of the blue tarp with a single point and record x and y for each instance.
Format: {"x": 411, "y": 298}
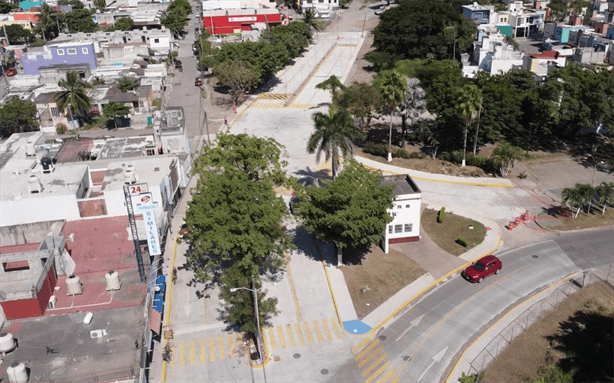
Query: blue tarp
{"x": 26, "y": 5}
{"x": 158, "y": 303}
{"x": 161, "y": 283}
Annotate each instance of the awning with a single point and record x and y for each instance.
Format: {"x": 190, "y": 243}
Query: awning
{"x": 506, "y": 30}
{"x": 155, "y": 321}
{"x": 161, "y": 284}
{"x": 158, "y": 302}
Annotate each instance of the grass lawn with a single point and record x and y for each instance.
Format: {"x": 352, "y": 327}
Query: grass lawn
{"x": 553, "y": 219}
{"x": 572, "y": 343}
{"x": 453, "y": 227}
{"x": 372, "y": 276}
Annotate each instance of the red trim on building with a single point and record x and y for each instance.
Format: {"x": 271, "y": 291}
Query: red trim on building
{"x": 227, "y": 24}
{"x": 392, "y": 241}
{"x": 33, "y": 307}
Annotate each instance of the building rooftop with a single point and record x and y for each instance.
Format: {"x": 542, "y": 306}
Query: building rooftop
{"x": 247, "y": 12}
{"x": 403, "y": 184}
{"x": 545, "y": 55}
{"x": 151, "y": 170}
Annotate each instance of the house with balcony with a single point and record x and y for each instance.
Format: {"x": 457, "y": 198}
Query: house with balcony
{"x": 481, "y": 14}
{"x": 58, "y": 54}
{"x": 491, "y": 54}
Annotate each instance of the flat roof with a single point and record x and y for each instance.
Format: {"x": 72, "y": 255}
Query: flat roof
{"x": 79, "y": 355}
{"x": 403, "y": 184}
{"x": 125, "y": 147}
{"x": 151, "y": 170}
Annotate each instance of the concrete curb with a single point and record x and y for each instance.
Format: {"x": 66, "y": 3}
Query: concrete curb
{"x": 169, "y": 302}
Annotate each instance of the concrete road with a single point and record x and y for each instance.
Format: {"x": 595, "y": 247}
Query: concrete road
{"x": 422, "y": 342}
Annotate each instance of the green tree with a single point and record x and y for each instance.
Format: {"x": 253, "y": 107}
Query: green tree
{"x": 412, "y": 106}
{"x": 469, "y": 104}
{"x": 204, "y": 50}
{"x": 505, "y": 156}
{"x": 392, "y": 86}
{"x": 124, "y": 24}
{"x": 605, "y": 192}
{"x": 558, "y": 10}
{"x": 333, "y": 84}
{"x": 586, "y": 193}
{"x": 333, "y": 136}
{"x": 98, "y": 81}
{"x": 80, "y": 20}
{"x": 127, "y": 83}
{"x": 294, "y": 37}
{"x": 46, "y": 21}
{"x": 15, "y": 33}
{"x": 17, "y": 115}
{"x": 73, "y": 96}
{"x": 572, "y": 198}
{"x": 76, "y": 4}
{"x": 416, "y": 28}
{"x": 310, "y": 19}
{"x": 181, "y": 6}
{"x": 100, "y": 4}
{"x": 115, "y": 110}
{"x": 362, "y": 100}
{"x": 175, "y": 21}
{"x": 6, "y": 7}
{"x": 351, "y": 211}
{"x": 238, "y": 76}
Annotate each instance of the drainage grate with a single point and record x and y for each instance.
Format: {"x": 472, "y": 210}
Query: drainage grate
{"x": 535, "y": 256}
{"x": 383, "y": 337}
{"x": 324, "y": 371}
{"x": 406, "y": 358}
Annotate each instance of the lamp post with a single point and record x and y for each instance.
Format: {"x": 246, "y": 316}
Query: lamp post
{"x": 254, "y": 291}
{"x": 595, "y": 169}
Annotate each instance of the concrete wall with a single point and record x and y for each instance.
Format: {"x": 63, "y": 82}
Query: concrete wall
{"x": 34, "y": 232}
{"x": 33, "y": 307}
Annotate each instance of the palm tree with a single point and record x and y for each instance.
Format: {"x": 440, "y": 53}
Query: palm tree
{"x": 605, "y": 190}
{"x": 586, "y": 193}
{"x": 333, "y": 84}
{"x": 73, "y": 96}
{"x": 505, "y": 156}
{"x": 469, "y": 102}
{"x": 413, "y": 105}
{"x": 309, "y": 18}
{"x": 572, "y": 198}
{"x": 45, "y": 20}
{"x": 392, "y": 87}
{"x": 333, "y": 136}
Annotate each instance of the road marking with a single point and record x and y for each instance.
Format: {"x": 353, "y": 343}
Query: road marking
{"x": 374, "y": 364}
{"x": 298, "y": 310}
{"x": 395, "y": 380}
{"x": 299, "y": 333}
{"x": 221, "y": 347}
{"x": 308, "y": 332}
{"x": 362, "y": 343}
{"x": 173, "y": 356}
{"x": 437, "y": 358}
{"x": 366, "y": 350}
{"x": 231, "y": 346}
{"x": 413, "y": 323}
{"x": 317, "y": 330}
{"x": 290, "y": 335}
{"x": 326, "y": 330}
{"x": 201, "y": 349}
{"x": 378, "y": 372}
{"x": 192, "y": 352}
{"x": 335, "y": 325}
{"x": 272, "y": 339}
{"x": 211, "y": 350}
{"x": 280, "y": 334}
{"x": 182, "y": 354}
{"x": 370, "y": 357}
{"x": 385, "y": 378}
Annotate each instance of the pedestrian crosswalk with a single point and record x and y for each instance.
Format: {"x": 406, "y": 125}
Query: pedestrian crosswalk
{"x": 273, "y": 105}
{"x": 224, "y": 346}
{"x": 274, "y": 96}
{"x": 374, "y": 365}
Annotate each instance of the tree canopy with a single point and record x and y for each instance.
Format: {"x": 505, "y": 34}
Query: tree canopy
{"x": 123, "y": 24}
{"x": 127, "y": 83}
{"x": 16, "y": 32}
{"x": 115, "y": 110}
{"x": 17, "y": 115}
{"x": 80, "y": 20}
{"x": 351, "y": 211}
{"x": 417, "y": 28}
{"x": 175, "y": 21}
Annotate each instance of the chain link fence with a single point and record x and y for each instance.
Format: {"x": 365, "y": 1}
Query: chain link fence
{"x": 534, "y": 313}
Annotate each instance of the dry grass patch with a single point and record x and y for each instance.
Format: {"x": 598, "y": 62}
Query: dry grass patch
{"x": 375, "y": 277}
{"x": 453, "y": 227}
{"x": 552, "y": 219}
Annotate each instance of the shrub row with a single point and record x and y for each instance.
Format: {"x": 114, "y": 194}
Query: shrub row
{"x": 381, "y": 150}
{"x": 486, "y": 164}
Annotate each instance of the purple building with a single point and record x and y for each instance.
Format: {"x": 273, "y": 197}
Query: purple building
{"x": 55, "y": 54}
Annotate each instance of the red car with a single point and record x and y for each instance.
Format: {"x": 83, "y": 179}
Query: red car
{"x": 484, "y": 267}
{"x": 11, "y": 72}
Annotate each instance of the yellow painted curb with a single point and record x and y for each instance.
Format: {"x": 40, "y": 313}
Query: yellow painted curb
{"x": 442, "y": 181}
{"x": 330, "y": 287}
{"x": 298, "y": 310}
{"x": 170, "y": 299}
{"x": 499, "y": 320}
{"x": 311, "y": 76}
{"x": 265, "y": 359}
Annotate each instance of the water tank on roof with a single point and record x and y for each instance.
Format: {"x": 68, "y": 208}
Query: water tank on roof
{"x": 34, "y": 184}
{"x": 30, "y": 150}
{"x": 7, "y": 342}
{"x": 17, "y": 373}
{"x": 113, "y": 282}
{"x": 74, "y": 285}
{"x": 129, "y": 174}
{"x": 47, "y": 164}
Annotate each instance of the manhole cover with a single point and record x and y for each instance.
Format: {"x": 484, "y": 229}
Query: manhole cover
{"x": 297, "y": 355}
{"x": 324, "y": 371}
{"x": 406, "y": 358}
{"x": 535, "y": 256}
{"x": 383, "y": 337}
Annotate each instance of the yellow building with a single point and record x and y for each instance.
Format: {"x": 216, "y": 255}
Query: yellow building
{"x": 26, "y": 24}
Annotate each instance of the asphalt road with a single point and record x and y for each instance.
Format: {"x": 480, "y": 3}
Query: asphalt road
{"x": 423, "y": 342}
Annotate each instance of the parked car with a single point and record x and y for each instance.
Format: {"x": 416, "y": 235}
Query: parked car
{"x": 11, "y": 72}
{"x": 483, "y": 268}
{"x": 198, "y": 81}
{"x": 178, "y": 65}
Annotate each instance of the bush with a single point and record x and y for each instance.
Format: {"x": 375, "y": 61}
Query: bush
{"x": 463, "y": 242}
{"x": 441, "y": 215}
{"x": 400, "y": 153}
{"x": 61, "y": 128}
{"x": 471, "y": 159}
{"x": 376, "y": 149}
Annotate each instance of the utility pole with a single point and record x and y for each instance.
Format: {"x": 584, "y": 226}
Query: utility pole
{"x": 6, "y": 36}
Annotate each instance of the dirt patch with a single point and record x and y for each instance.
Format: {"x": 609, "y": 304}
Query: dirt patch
{"x": 452, "y": 228}
{"x": 542, "y": 343}
{"x": 561, "y": 218}
{"x": 362, "y": 70}
{"x": 375, "y": 277}
{"x": 428, "y": 165}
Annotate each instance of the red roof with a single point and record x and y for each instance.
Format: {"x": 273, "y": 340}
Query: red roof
{"x": 545, "y": 55}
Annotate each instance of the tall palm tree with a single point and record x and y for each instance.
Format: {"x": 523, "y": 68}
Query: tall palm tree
{"x": 413, "y": 105}
{"x": 46, "y": 19}
{"x": 586, "y": 193}
{"x": 74, "y": 96}
{"x": 505, "y": 156}
{"x": 605, "y": 190}
{"x": 333, "y": 136}
{"x": 333, "y": 84}
{"x": 469, "y": 102}
{"x": 392, "y": 87}
{"x": 309, "y": 18}
{"x": 572, "y": 198}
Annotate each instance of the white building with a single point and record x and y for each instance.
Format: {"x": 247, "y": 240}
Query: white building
{"x": 405, "y": 224}
{"x": 209, "y": 5}
{"x": 492, "y": 54}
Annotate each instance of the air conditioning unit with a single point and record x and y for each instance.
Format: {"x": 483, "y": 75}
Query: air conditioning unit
{"x": 129, "y": 175}
{"x": 34, "y": 184}
{"x": 52, "y": 302}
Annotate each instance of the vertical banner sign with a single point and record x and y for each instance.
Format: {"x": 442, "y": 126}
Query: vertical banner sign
{"x": 148, "y": 207}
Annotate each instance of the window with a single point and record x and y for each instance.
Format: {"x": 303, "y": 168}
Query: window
{"x": 406, "y": 206}
{"x": 156, "y": 41}
{"x": 389, "y": 229}
{"x": 399, "y": 206}
{"x": 61, "y": 52}
{"x": 85, "y": 51}
{"x": 409, "y": 227}
{"x": 71, "y": 51}
{"x": 55, "y": 112}
{"x": 398, "y": 228}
